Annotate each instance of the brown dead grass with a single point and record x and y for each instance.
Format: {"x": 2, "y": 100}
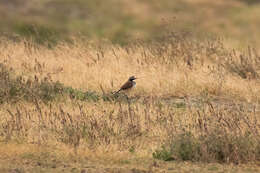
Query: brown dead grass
{"x": 202, "y": 88}
{"x": 163, "y": 71}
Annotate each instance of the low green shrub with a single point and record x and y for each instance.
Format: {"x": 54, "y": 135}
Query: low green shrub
{"x": 213, "y": 147}
{"x": 39, "y": 34}
{"x": 81, "y": 95}
{"x": 15, "y": 88}
{"x": 163, "y": 154}
{"x": 186, "y": 147}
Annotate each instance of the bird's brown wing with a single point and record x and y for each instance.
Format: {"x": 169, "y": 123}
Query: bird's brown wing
{"x": 127, "y": 85}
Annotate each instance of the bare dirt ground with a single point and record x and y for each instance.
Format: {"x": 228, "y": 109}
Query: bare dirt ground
{"x": 44, "y": 163}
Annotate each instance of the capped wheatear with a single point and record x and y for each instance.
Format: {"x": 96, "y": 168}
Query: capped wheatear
{"x": 130, "y": 83}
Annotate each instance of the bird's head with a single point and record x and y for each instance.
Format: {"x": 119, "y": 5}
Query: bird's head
{"x": 132, "y": 78}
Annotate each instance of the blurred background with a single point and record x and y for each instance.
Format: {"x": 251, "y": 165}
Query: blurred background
{"x": 121, "y": 21}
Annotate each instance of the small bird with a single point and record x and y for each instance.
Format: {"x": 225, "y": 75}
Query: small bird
{"x": 130, "y": 83}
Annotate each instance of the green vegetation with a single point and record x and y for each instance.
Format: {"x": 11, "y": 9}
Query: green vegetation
{"x": 215, "y": 146}
{"x": 123, "y": 21}
{"x": 163, "y": 154}
{"x": 15, "y": 88}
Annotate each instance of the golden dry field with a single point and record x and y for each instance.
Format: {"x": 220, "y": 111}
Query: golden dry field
{"x": 194, "y": 101}
{"x": 195, "y": 107}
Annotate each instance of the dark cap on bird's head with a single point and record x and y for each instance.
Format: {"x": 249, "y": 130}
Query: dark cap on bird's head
{"x": 132, "y": 78}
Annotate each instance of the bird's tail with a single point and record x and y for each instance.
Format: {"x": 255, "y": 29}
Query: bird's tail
{"x": 117, "y": 91}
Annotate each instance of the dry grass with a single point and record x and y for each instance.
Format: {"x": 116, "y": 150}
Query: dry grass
{"x": 174, "y": 68}
{"x": 197, "y": 99}
{"x": 45, "y": 159}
